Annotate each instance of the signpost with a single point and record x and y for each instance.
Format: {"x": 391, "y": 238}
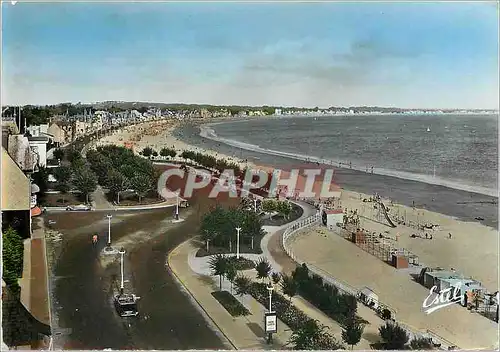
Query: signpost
{"x": 270, "y": 320}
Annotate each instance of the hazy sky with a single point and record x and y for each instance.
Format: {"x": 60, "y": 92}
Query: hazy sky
{"x": 430, "y": 55}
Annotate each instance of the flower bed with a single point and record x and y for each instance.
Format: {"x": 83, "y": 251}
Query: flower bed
{"x": 232, "y": 305}
{"x": 242, "y": 263}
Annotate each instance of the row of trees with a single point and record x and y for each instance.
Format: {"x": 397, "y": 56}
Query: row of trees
{"x": 274, "y": 205}
{"x": 12, "y": 258}
{"x": 76, "y": 175}
{"x": 218, "y": 226}
{"x": 113, "y": 167}
{"x": 119, "y": 169}
{"x": 212, "y": 162}
{"x": 148, "y": 152}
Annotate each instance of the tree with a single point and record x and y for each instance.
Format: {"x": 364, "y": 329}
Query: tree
{"x": 127, "y": 170}
{"x": 117, "y": 183}
{"x": 73, "y": 154}
{"x": 242, "y": 285}
{"x": 263, "y": 268}
{"x": 41, "y": 179}
{"x": 289, "y": 286}
{"x": 394, "y": 336}
{"x": 147, "y": 152}
{"x": 269, "y": 205}
{"x": 351, "y": 333}
{"x": 62, "y": 174}
{"x": 12, "y": 256}
{"x": 85, "y": 181}
{"x": 59, "y": 153}
{"x": 218, "y": 266}
{"x": 141, "y": 184}
{"x": 231, "y": 273}
{"x": 63, "y": 177}
{"x": 284, "y": 208}
{"x": 168, "y": 152}
{"x": 276, "y": 277}
{"x": 309, "y": 336}
{"x": 421, "y": 343}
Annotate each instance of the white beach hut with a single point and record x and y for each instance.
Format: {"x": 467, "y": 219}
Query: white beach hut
{"x": 368, "y": 297}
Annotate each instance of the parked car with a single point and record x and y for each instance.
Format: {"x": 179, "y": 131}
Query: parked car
{"x": 80, "y": 207}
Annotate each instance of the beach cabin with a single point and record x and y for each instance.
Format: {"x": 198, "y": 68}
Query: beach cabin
{"x": 368, "y": 297}
{"x": 454, "y": 282}
{"x": 332, "y": 217}
{"x": 435, "y": 278}
{"x": 469, "y": 290}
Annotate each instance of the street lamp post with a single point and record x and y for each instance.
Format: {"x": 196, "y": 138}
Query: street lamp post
{"x": 177, "y": 207}
{"x": 122, "y": 252}
{"x": 270, "y": 289}
{"x": 109, "y": 216}
{"x": 238, "y": 229}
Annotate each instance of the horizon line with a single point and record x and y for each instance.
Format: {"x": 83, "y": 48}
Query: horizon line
{"x": 246, "y": 106}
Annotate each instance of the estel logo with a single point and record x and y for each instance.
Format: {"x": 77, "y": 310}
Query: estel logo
{"x": 441, "y": 299}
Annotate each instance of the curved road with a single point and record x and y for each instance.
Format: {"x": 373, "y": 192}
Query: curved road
{"x": 82, "y": 289}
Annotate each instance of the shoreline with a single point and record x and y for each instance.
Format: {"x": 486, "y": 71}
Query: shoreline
{"x": 207, "y": 132}
{"x": 435, "y": 198}
{"x": 458, "y": 204}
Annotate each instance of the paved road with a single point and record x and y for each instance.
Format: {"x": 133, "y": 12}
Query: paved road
{"x": 82, "y": 288}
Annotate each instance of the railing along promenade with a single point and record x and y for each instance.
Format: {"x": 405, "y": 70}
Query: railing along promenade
{"x": 379, "y": 307}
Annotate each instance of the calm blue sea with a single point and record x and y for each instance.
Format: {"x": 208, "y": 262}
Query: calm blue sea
{"x": 458, "y": 151}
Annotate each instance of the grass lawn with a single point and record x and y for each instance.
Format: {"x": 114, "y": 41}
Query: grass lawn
{"x": 279, "y": 220}
{"x": 232, "y": 305}
{"x": 61, "y": 200}
{"x": 245, "y": 247}
{"x": 131, "y": 199}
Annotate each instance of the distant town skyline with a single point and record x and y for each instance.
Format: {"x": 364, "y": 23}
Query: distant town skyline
{"x": 402, "y": 55}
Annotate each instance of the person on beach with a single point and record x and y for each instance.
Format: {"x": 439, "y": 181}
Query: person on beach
{"x": 372, "y": 169}
{"x": 449, "y": 235}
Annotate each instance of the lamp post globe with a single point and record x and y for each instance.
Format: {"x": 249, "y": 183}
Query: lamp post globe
{"x": 109, "y": 216}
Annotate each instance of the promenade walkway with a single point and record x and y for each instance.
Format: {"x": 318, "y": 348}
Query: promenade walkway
{"x": 273, "y": 247}
{"x": 242, "y": 332}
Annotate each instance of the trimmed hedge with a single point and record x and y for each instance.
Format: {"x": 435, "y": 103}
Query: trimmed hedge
{"x": 290, "y": 315}
{"x": 232, "y": 305}
{"x": 327, "y": 298}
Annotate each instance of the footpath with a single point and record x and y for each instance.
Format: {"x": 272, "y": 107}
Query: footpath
{"x": 247, "y": 332}
{"x": 244, "y": 332}
{"x": 34, "y": 283}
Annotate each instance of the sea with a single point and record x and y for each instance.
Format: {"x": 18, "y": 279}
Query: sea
{"x": 415, "y": 158}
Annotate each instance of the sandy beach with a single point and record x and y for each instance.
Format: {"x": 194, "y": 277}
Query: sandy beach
{"x": 158, "y": 135}
{"x": 344, "y": 260}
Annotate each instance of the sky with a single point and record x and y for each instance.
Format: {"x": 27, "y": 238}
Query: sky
{"x": 410, "y": 55}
